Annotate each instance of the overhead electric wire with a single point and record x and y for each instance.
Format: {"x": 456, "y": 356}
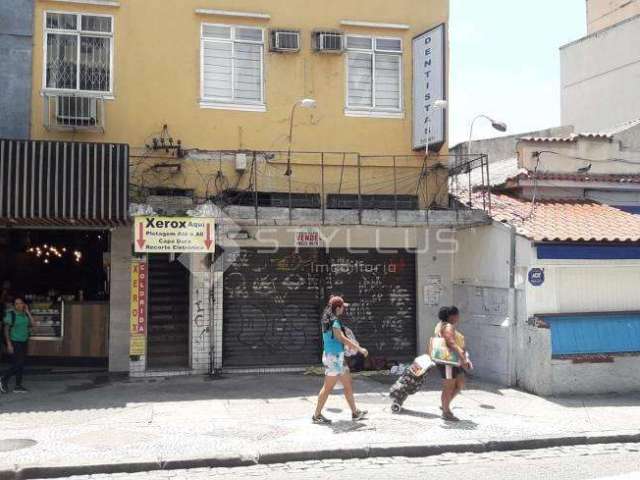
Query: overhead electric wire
{"x": 591, "y": 160}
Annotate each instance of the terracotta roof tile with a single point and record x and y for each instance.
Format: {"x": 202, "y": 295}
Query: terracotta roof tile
{"x": 580, "y": 177}
{"x": 571, "y": 138}
{"x": 565, "y": 220}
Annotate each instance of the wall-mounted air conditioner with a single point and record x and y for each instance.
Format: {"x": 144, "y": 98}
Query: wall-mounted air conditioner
{"x": 328, "y": 42}
{"x": 77, "y": 111}
{"x": 285, "y": 41}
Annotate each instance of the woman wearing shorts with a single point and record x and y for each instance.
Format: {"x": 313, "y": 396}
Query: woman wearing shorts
{"x": 334, "y": 341}
{"x": 452, "y": 376}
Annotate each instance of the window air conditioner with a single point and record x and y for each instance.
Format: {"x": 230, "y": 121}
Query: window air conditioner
{"x": 328, "y": 42}
{"x": 77, "y": 111}
{"x": 285, "y": 41}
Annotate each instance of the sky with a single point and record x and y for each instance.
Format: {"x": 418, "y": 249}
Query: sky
{"x": 505, "y": 62}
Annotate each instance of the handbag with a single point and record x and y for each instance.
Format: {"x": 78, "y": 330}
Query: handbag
{"x": 441, "y": 353}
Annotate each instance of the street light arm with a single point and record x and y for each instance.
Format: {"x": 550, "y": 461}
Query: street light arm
{"x": 500, "y": 126}
{"x": 293, "y": 112}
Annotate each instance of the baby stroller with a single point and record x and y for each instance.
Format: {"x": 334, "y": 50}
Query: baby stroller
{"x": 410, "y": 381}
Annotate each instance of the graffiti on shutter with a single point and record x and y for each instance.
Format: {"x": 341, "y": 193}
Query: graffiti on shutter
{"x": 271, "y": 310}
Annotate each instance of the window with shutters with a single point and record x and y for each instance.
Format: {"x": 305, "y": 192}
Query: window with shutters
{"x": 374, "y": 76}
{"x": 78, "y": 52}
{"x": 232, "y": 68}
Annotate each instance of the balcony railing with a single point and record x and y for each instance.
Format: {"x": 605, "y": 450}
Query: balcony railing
{"x": 73, "y": 112}
{"x": 324, "y": 187}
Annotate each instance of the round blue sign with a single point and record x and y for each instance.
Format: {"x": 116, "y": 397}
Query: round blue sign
{"x": 536, "y": 277}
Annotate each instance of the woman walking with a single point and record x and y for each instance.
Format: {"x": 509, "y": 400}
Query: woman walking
{"x": 334, "y": 341}
{"x": 452, "y": 376}
{"x": 17, "y": 326}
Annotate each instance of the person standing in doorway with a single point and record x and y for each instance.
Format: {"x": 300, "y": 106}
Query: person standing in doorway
{"x": 452, "y": 376}
{"x": 334, "y": 341}
{"x": 17, "y": 326}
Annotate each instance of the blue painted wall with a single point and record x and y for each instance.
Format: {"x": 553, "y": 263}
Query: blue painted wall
{"x": 16, "y": 48}
{"x": 572, "y": 251}
{"x": 593, "y": 334}
{"x": 634, "y": 210}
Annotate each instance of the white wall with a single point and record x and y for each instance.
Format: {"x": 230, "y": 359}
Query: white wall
{"x": 434, "y": 265}
{"x": 576, "y": 286}
{"x": 622, "y": 375}
{"x": 481, "y": 289}
{"x": 605, "y": 13}
{"x": 600, "y": 75}
{"x": 582, "y": 286}
{"x": 201, "y": 312}
{"x": 533, "y": 359}
{"x": 568, "y": 155}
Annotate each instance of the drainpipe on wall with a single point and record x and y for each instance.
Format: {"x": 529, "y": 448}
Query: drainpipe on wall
{"x": 514, "y": 314}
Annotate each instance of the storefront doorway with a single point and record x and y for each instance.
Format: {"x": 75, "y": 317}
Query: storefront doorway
{"x": 272, "y": 304}
{"x": 63, "y": 275}
{"x": 168, "y": 314}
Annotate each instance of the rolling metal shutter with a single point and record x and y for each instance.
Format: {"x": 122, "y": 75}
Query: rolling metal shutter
{"x": 271, "y": 309}
{"x": 60, "y": 183}
{"x": 273, "y": 302}
{"x": 381, "y": 289}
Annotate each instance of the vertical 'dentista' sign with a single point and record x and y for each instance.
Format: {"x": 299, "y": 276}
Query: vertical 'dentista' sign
{"x": 428, "y": 86}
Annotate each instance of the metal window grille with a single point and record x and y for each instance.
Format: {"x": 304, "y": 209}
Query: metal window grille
{"x": 78, "y": 52}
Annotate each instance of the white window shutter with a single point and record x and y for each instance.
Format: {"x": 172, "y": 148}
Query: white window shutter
{"x": 232, "y": 59}
{"x": 247, "y": 72}
{"x": 217, "y": 66}
{"x": 360, "y": 91}
{"x": 387, "y": 94}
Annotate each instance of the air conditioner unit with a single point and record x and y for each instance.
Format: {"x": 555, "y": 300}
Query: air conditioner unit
{"x": 285, "y": 41}
{"x": 328, "y": 42}
{"x": 77, "y": 111}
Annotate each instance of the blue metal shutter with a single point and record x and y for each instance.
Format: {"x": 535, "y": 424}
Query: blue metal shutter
{"x": 593, "y": 334}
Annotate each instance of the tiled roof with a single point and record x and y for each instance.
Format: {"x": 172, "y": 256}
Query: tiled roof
{"x": 601, "y": 135}
{"x": 564, "y": 220}
{"x": 622, "y": 127}
{"x": 571, "y": 138}
{"x": 579, "y": 177}
{"x": 499, "y": 173}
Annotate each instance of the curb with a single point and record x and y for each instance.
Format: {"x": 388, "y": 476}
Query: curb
{"x": 31, "y": 473}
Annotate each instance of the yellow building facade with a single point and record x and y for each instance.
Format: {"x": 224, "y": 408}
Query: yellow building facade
{"x": 207, "y": 70}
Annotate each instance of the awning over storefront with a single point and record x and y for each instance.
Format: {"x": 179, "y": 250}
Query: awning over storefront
{"x": 51, "y": 183}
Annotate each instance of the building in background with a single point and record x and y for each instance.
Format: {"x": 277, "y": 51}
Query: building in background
{"x": 563, "y": 255}
{"x": 300, "y": 132}
{"x": 16, "y": 49}
{"x": 602, "y": 14}
{"x": 599, "y": 72}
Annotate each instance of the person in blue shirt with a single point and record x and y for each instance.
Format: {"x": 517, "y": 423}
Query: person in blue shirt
{"x": 334, "y": 341}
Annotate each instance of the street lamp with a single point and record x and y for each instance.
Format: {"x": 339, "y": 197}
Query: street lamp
{"x": 499, "y": 126}
{"x": 304, "y": 103}
{"x": 437, "y": 105}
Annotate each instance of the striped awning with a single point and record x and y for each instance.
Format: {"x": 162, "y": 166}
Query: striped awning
{"x": 49, "y": 183}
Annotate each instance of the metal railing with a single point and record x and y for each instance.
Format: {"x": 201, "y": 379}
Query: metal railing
{"x": 73, "y": 112}
{"x": 344, "y": 184}
{"x": 470, "y": 181}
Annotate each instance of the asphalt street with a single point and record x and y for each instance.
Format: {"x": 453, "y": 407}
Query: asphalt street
{"x": 593, "y": 462}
